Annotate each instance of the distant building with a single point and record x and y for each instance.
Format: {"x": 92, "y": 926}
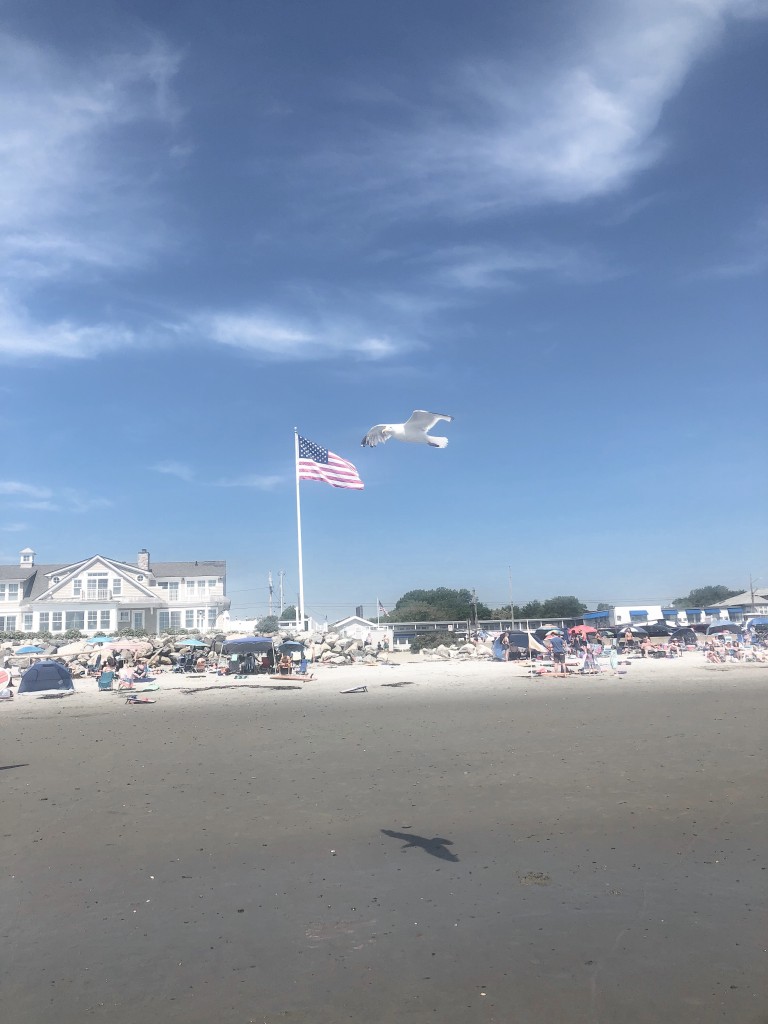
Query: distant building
{"x": 100, "y": 594}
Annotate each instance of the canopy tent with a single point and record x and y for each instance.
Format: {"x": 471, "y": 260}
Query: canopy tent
{"x": 46, "y": 675}
{"x": 684, "y": 634}
{"x": 519, "y": 638}
{"x": 723, "y": 627}
{"x": 248, "y": 645}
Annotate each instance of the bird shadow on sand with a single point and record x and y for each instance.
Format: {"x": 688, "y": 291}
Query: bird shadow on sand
{"x": 7, "y": 767}
{"x": 435, "y": 847}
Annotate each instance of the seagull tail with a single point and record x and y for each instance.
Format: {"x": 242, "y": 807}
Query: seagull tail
{"x": 437, "y": 442}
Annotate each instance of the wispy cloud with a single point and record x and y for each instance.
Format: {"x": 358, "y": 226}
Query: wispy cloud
{"x": 259, "y": 483}
{"x": 493, "y": 266}
{"x": 13, "y": 527}
{"x": 34, "y": 498}
{"x": 15, "y": 487}
{"x": 184, "y": 472}
{"x": 177, "y": 469}
{"x": 273, "y": 336}
{"x": 749, "y": 252}
{"x": 580, "y": 122}
{"x": 22, "y": 338}
{"x": 66, "y": 158}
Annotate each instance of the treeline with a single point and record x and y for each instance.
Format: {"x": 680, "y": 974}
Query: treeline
{"x": 443, "y": 604}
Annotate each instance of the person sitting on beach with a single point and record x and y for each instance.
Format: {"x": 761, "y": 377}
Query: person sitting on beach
{"x": 201, "y": 665}
{"x": 7, "y": 692}
{"x": 646, "y": 647}
{"x": 285, "y": 665}
{"x": 125, "y": 678}
{"x": 713, "y": 655}
{"x": 140, "y": 671}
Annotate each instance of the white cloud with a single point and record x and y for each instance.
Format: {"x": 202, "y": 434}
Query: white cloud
{"x": 271, "y": 336}
{"x": 15, "y": 487}
{"x": 74, "y": 192}
{"x": 22, "y": 338}
{"x": 185, "y": 472}
{"x": 478, "y": 267}
{"x": 749, "y": 252}
{"x": 14, "y": 527}
{"x": 177, "y": 469}
{"x": 579, "y": 122}
{"x": 259, "y": 483}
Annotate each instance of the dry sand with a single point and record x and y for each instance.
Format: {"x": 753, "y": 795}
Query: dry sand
{"x": 477, "y": 846}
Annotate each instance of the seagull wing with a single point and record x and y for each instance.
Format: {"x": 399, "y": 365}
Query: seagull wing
{"x": 376, "y": 435}
{"x": 422, "y": 421}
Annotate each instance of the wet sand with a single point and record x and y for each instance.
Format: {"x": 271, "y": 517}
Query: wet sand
{"x": 473, "y": 847}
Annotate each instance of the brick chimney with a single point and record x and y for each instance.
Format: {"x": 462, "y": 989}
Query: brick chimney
{"x": 143, "y": 560}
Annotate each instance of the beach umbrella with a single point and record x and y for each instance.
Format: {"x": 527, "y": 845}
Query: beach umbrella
{"x": 191, "y": 642}
{"x": 723, "y": 627}
{"x": 30, "y": 649}
{"x": 634, "y": 630}
{"x": 100, "y": 640}
{"x": 76, "y": 647}
{"x": 583, "y": 630}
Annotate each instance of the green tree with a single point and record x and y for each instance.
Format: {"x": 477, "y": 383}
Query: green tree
{"x": 565, "y": 607}
{"x": 288, "y": 613}
{"x": 701, "y": 597}
{"x": 436, "y": 605}
{"x": 267, "y": 625}
{"x": 603, "y": 607}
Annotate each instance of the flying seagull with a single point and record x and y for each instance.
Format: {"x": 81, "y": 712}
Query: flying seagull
{"x": 414, "y": 430}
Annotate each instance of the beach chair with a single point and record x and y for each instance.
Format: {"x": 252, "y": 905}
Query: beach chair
{"x": 106, "y": 679}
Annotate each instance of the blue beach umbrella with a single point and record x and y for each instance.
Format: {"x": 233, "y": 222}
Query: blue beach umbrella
{"x": 30, "y": 649}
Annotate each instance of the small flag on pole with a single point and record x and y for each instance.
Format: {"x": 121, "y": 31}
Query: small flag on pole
{"x": 382, "y": 609}
{"x": 316, "y": 463}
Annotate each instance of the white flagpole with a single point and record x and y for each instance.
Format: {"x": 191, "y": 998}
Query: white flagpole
{"x": 378, "y": 612}
{"x": 298, "y": 526}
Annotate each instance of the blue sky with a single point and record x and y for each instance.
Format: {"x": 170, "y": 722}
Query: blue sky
{"x": 218, "y": 222}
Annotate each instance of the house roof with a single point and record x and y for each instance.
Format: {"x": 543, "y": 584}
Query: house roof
{"x": 761, "y": 597}
{"x": 203, "y": 568}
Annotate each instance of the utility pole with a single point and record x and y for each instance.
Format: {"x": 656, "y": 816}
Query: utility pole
{"x": 281, "y": 577}
{"x": 474, "y": 605}
{"x": 511, "y": 601}
{"x": 269, "y": 582}
{"x": 752, "y": 594}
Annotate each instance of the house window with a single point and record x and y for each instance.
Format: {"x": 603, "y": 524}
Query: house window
{"x": 125, "y": 616}
{"x": 56, "y": 622}
{"x": 103, "y": 620}
{"x": 2, "y": 591}
{"x": 201, "y": 618}
{"x": 163, "y": 621}
{"x": 7, "y": 622}
{"x": 117, "y": 587}
{"x": 175, "y": 620}
{"x": 189, "y": 618}
{"x": 26, "y": 621}
{"x": 93, "y": 620}
{"x": 13, "y": 591}
{"x": 97, "y": 586}
{"x": 211, "y": 616}
{"x": 45, "y": 621}
{"x": 173, "y": 591}
{"x": 75, "y": 620}
{"x": 77, "y": 587}
{"x": 201, "y": 584}
{"x": 211, "y": 584}
{"x": 190, "y": 588}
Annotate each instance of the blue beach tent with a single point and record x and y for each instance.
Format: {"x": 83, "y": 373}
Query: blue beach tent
{"x": 46, "y": 675}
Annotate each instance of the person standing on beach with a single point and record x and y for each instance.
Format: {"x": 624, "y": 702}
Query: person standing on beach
{"x": 556, "y": 647}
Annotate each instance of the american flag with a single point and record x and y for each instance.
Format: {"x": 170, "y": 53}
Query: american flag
{"x": 382, "y": 609}
{"x": 316, "y": 463}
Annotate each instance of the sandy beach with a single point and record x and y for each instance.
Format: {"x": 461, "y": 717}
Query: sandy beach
{"x": 458, "y": 843}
